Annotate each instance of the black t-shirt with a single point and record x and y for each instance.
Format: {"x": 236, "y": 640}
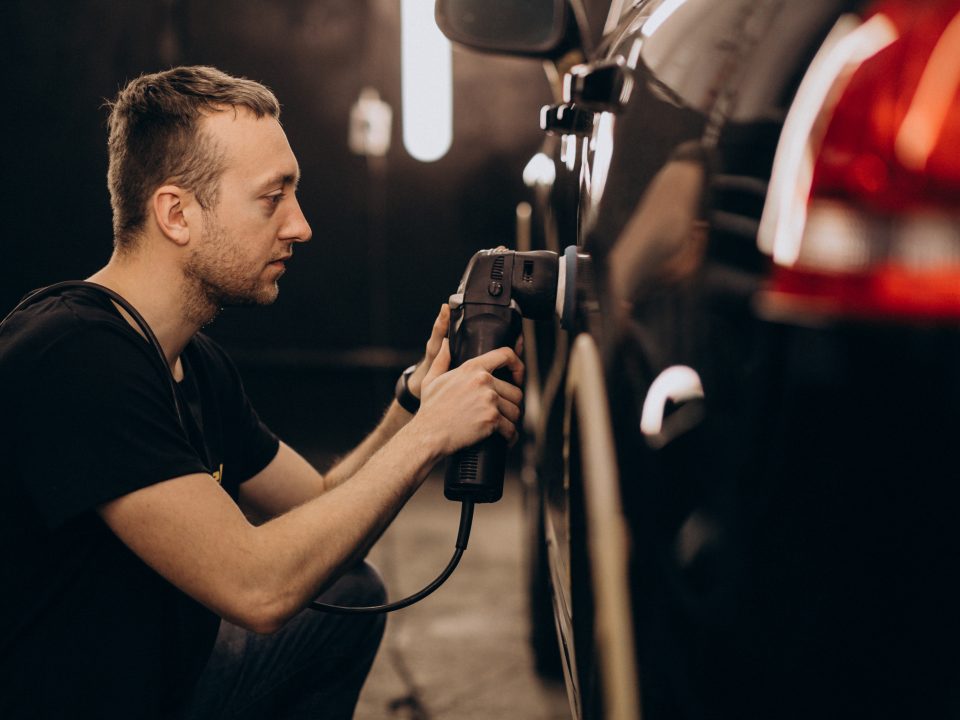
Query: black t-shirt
{"x": 86, "y": 628}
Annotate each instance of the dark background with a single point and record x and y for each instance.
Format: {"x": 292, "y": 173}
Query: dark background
{"x": 390, "y": 241}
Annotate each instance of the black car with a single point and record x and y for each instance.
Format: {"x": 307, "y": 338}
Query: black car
{"x": 743, "y": 453}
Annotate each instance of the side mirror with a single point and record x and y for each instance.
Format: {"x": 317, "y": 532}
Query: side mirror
{"x": 538, "y": 28}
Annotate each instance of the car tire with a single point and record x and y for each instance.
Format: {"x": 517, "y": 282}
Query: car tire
{"x": 606, "y": 668}
{"x": 543, "y": 633}
{"x": 584, "y": 629}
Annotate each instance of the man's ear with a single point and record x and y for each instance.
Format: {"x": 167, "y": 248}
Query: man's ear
{"x": 168, "y": 205}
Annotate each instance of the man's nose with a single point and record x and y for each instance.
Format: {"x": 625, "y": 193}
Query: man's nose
{"x": 296, "y": 228}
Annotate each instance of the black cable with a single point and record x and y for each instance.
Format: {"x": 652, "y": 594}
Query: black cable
{"x": 160, "y": 358}
{"x": 463, "y": 535}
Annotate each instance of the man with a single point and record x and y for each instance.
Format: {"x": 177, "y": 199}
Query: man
{"x": 126, "y": 534}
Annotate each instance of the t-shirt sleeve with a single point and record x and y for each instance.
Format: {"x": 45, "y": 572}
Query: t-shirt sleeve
{"x": 109, "y": 422}
{"x": 249, "y": 444}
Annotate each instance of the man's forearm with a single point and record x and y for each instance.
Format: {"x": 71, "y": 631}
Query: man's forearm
{"x": 191, "y": 532}
{"x": 320, "y": 538}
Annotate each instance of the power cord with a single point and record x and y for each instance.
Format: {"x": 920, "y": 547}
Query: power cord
{"x": 463, "y": 535}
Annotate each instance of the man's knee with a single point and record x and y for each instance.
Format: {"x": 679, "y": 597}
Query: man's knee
{"x": 325, "y": 637}
{"x": 317, "y": 658}
{"x": 360, "y": 586}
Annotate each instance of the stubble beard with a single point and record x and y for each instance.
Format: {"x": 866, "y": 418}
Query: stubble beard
{"x": 217, "y": 276}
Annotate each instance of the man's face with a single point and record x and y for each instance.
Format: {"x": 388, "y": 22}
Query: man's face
{"x": 249, "y": 234}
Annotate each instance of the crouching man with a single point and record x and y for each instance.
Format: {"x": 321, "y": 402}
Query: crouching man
{"x": 135, "y": 584}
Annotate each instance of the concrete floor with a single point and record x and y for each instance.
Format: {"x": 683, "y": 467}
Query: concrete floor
{"x": 462, "y": 652}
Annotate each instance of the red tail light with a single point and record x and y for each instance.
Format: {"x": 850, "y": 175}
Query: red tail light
{"x": 863, "y": 214}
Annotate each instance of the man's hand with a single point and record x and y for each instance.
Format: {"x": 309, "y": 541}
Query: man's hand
{"x": 440, "y": 328}
{"x": 467, "y": 404}
{"x": 439, "y": 332}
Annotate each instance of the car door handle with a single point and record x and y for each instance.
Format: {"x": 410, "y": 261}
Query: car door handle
{"x": 677, "y": 384}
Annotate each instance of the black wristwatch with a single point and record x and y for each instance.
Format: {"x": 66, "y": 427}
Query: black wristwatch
{"x": 408, "y": 401}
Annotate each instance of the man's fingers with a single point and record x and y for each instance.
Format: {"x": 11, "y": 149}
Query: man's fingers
{"x": 440, "y": 364}
{"x": 438, "y": 332}
{"x": 508, "y": 390}
{"x": 502, "y": 357}
{"x": 508, "y": 430}
{"x": 510, "y": 410}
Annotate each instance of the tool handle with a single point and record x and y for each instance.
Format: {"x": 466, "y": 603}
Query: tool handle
{"x": 476, "y": 473}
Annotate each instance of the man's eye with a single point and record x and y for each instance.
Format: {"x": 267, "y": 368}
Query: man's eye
{"x": 275, "y": 199}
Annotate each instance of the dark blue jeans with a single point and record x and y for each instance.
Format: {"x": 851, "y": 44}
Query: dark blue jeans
{"x": 312, "y": 668}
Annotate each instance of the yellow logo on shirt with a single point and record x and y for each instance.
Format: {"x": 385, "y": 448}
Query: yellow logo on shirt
{"x": 218, "y": 474}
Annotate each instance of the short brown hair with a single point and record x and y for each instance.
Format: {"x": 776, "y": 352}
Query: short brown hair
{"x": 155, "y": 138}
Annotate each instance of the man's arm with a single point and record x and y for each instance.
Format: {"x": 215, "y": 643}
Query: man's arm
{"x": 289, "y": 480}
{"x": 190, "y": 531}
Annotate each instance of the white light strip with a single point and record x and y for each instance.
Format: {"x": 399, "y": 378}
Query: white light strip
{"x": 426, "y": 81}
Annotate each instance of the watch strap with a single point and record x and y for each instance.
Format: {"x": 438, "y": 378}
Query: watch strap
{"x": 407, "y": 400}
